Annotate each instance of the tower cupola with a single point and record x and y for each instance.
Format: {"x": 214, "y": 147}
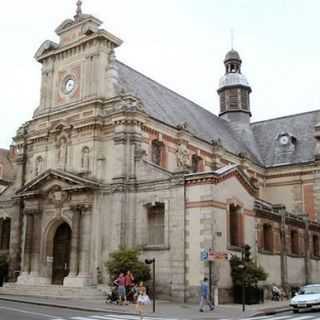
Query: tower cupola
{"x": 234, "y": 90}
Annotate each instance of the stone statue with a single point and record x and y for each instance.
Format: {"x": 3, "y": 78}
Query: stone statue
{"x": 63, "y": 151}
{"x": 182, "y": 156}
{"x": 317, "y": 149}
{"x": 85, "y": 158}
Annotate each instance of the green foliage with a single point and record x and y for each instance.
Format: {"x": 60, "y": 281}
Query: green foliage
{"x": 126, "y": 259}
{"x": 250, "y": 273}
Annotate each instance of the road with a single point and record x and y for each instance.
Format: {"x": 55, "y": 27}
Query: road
{"x": 23, "y": 311}
{"x": 307, "y": 315}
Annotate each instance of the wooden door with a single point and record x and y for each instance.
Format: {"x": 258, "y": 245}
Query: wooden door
{"x": 61, "y": 254}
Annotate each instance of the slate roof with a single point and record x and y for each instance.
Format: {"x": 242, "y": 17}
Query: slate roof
{"x": 301, "y": 126}
{"x": 171, "y": 108}
{"x": 260, "y": 143}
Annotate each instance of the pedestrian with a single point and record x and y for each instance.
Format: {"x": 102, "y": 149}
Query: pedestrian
{"x": 204, "y": 295}
{"x": 120, "y": 282}
{"x": 142, "y": 299}
{"x": 129, "y": 283}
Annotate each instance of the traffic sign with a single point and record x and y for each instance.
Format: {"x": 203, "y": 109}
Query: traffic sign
{"x": 204, "y": 255}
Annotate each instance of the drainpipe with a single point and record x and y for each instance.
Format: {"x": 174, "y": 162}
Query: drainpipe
{"x": 307, "y": 251}
{"x": 283, "y": 252}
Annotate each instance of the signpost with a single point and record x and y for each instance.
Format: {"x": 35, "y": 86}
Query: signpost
{"x": 209, "y": 255}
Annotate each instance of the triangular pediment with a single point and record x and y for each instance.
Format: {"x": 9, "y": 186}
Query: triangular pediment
{"x": 65, "y": 180}
{"x": 147, "y": 170}
{"x": 223, "y": 174}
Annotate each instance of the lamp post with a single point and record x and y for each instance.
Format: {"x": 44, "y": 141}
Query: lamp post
{"x": 153, "y": 262}
{"x": 243, "y": 289}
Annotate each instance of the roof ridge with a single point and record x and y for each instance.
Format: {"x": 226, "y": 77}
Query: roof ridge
{"x": 288, "y": 116}
{"x": 163, "y": 86}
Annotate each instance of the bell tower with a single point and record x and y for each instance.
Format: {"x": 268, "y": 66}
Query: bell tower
{"x": 234, "y": 91}
{"x": 76, "y": 69}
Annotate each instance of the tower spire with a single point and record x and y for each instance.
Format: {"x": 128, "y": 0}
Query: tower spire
{"x": 79, "y": 10}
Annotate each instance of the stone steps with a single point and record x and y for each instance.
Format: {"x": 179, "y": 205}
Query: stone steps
{"x": 52, "y": 291}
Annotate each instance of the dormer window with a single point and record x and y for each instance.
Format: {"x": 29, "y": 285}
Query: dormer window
{"x": 286, "y": 139}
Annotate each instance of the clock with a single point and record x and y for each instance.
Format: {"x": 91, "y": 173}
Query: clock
{"x": 69, "y": 85}
{"x": 284, "y": 140}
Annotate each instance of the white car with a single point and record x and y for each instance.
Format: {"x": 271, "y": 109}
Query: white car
{"x": 306, "y": 298}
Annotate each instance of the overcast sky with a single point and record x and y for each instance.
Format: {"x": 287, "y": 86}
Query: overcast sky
{"x": 179, "y": 43}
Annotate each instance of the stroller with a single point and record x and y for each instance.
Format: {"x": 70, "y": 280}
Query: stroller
{"x": 275, "y": 294}
{"x": 112, "y": 297}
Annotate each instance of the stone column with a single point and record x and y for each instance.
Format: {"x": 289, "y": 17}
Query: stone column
{"x": 79, "y": 275}
{"x": 28, "y": 243}
{"x": 36, "y": 241}
{"x": 75, "y": 241}
{"x": 85, "y": 225}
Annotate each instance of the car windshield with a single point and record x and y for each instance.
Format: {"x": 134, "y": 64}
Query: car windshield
{"x": 309, "y": 290}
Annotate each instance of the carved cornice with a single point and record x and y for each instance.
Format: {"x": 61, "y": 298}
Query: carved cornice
{"x": 81, "y": 207}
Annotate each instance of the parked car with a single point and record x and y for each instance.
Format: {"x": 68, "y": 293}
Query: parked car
{"x": 307, "y": 297}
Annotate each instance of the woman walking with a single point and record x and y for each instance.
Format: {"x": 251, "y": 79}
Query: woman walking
{"x": 142, "y": 299}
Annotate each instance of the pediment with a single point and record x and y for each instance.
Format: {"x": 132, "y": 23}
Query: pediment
{"x": 46, "y": 46}
{"x": 147, "y": 170}
{"x": 64, "y": 25}
{"x": 223, "y": 174}
{"x": 56, "y": 179}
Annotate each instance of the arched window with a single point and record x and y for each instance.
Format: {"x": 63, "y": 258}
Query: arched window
{"x": 294, "y": 239}
{"x": 85, "y": 158}
{"x": 196, "y": 163}
{"x": 39, "y": 165}
{"x": 157, "y": 152}
{"x": 315, "y": 246}
{"x": 235, "y": 226}
{"x": 5, "y": 225}
{"x": 267, "y": 237}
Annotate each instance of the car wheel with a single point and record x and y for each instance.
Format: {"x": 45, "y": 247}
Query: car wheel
{"x": 295, "y": 310}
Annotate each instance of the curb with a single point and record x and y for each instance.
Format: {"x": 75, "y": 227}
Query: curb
{"x": 271, "y": 312}
{"x": 48, "y": 304}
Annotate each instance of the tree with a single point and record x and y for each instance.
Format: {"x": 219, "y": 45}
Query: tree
{"x": 126, "y": 259}
{"x": 246, "y": 270}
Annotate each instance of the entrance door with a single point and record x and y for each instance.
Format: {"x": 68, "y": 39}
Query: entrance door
{"x": 61, "y": 253}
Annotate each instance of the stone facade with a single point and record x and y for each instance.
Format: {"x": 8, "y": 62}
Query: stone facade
{"x": 111, "y": 158}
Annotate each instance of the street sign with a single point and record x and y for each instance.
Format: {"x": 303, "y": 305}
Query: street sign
{"x": 204, "y": 255}
{"x": 218, "y": 255}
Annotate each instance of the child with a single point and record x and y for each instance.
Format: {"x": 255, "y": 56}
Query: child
{"x": 142, "y": 299}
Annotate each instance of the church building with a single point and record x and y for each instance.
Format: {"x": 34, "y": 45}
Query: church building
{"x": 112, "y": 159}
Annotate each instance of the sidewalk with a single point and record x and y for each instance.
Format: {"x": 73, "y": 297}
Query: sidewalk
{"x": 163, "y": 308}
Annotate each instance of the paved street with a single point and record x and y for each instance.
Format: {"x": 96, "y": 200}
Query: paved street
{"x": 308, "y": 315}
{"x": 22, "y": 311}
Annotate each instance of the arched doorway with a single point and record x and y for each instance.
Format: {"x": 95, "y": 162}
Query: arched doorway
{"x": 61, "y": 253}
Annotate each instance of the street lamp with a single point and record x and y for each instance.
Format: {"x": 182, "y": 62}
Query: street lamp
{"x": 153, "y": 262}
{"x": 242, "y": 267}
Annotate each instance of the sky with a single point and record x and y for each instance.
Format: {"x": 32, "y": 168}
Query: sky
{"x": 180, "y": 44}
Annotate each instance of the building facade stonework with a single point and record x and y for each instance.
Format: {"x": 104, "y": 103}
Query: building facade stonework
{"x": 111, "y": 159}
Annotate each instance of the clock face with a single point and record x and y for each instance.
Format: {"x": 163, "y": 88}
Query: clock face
{"x": 284, "y": 140}
{"x": 69, "y": 85}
